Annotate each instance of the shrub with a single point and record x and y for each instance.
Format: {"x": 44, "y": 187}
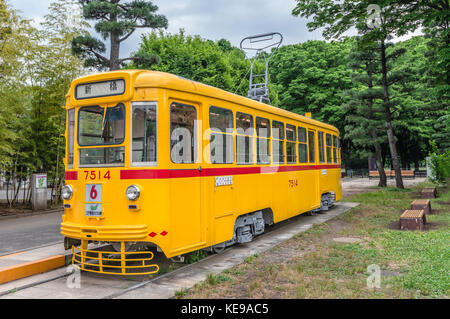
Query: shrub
{"x": 440, "y": 168}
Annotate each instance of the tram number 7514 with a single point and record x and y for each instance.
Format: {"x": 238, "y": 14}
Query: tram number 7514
{"x": 96, "y": 175}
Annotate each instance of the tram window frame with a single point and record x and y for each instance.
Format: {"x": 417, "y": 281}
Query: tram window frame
{"x": 225, "y": 133}
{"x": 194, "y": 141}
{"x": 312, "y": 146}
{"x": 329, "y": 146}
{"x": 137, "y": 105}
{"x": 247, "y": 136}
{"x": 303, "y": 145}
{"x": 291, "y": 144}
{"x": 70, "y": 137}
{"x": 320, "y": 136}
{"x": 85, "y": 109}
{"x": 230, "y": 120}
{"x": 335, "y": 146}
{"x": 280, "y": 141}
{"x": 265, "y": 138}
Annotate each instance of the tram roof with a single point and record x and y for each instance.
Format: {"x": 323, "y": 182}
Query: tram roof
{"x": 156, "y": 79}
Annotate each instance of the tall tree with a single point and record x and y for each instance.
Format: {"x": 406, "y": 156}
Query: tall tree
{"x": 117, "y": 20}
{"x": 364, "y": 114}
{"x": 339, "y": 16}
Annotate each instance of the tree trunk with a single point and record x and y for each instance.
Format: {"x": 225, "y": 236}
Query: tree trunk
{"x": 115, "y": 46}
{"x": 387, "y": 111}
{"x": 114, "y": 57}
{"x": 379, "y": 160}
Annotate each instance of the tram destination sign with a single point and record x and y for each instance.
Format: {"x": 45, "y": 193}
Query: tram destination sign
{"x": 100, "y": 89}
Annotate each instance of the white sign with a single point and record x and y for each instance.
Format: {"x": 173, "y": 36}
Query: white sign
{"x": 41, "y": 181}
{"x": 93, "y": 210}
{"x": 324, "y": 172}
{"x": 99, "y": 89}
{"x": 224, "y": 180}
{"x": 93, "y": 193}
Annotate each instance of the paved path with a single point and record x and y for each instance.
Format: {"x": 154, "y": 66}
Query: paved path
{"x": 352, "y": 186}
{"x": 17, "y": 234}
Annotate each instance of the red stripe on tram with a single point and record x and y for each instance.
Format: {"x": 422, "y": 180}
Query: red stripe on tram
{"x": 183, "y": 173}
{"x": 71, "y": 176}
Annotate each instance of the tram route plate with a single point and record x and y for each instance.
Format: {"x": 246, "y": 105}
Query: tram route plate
{"x": 93, "y": 210}
{"x": 224, "y": 180}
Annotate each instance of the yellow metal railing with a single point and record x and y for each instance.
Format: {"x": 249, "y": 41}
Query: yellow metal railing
{"x": 113, "y": 262}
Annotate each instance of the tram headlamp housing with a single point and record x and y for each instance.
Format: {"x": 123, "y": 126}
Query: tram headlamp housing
{"x": 66, "y": 192}
{"x": 133, "y": 192}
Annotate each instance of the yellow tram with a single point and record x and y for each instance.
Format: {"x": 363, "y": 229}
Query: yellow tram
{"x": 156, "y": 160}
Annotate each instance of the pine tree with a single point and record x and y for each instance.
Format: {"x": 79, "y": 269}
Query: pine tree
{"x": 116, "y": 21}
{"x": 365, "y": 117}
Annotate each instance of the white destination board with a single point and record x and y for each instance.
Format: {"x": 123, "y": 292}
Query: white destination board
{"x": 100, "y": 89}
{"x": 224, "y": 180}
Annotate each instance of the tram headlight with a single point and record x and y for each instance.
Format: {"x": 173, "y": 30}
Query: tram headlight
{"x": 67, "y": 192}
{"x": 133, "y": 192}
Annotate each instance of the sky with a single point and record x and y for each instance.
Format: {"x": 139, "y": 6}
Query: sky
{"x": 210, "y": 19}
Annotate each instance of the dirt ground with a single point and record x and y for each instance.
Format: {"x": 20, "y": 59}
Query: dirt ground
{"x": 353, "y": 186}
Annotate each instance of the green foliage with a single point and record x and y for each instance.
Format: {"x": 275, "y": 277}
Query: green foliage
{"x": 195, "y": 257}
{"x": 36, "y": 72}
{"x": 214, "y": 280}
{"x": 440, "y": 166}
{"x": 117, "y": 21}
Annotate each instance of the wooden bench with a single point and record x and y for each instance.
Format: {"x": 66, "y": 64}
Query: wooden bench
{"x": 412, "y": 220}
{"x": 422, "y": 204}
{"x": 377, "y": 174}
{"x": 407, "y": 173}
{"x": 429, "y": 192}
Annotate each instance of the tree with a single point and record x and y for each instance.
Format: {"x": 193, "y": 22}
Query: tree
{"x": 338, "y": 17}
{"x": 117, "y": 21}
{"x": 364, "y": 115}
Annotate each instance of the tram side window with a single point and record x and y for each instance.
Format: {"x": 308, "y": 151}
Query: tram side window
{"x": 278, "y": 142}
{"x": 291, "y": 139}
{"x": 321, "y": 148}
{"x": 262, "y": 140}
{"x": 144, "y": 128}
{"x": 244, "y": 138}
{"x": 335, "y": 147}
{"x": 221, "y": 120}
{"x": 183, "y": 133}
{"x": 302, "y": 145}
{"x": 311, "y": 144}
{"x": 70, "y": 138}
{"x": 221, "y": 143}
{"x": 329, "y": 147}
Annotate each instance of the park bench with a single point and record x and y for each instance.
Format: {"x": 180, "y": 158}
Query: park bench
{"x": 407, "y": 173}
{"x": 422, "y": 204}
{"x": 412, "y": 220}
{"x": 429, "y": 192}
{"x": 377, "y": 174}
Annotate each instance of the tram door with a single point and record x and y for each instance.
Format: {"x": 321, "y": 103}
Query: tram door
{"x": 312, "y": 155}
{"x": 185, "y": 187}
